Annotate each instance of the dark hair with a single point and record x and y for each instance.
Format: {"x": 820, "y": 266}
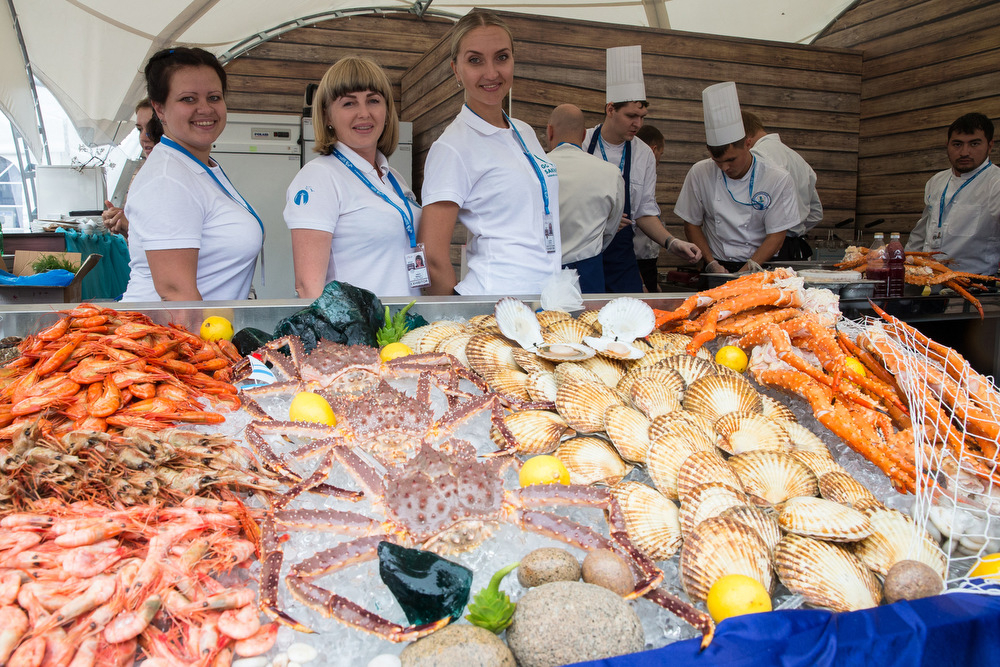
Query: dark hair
{"x": 969, "y": 123}
{"x": 751, "y": 123}
{"x": 163, "y": 64}
{"x": 651, "y": 136}
{"x": 617, "y": 106}
{"x": 719, "y": 151}
{"x": 477, "y": 18}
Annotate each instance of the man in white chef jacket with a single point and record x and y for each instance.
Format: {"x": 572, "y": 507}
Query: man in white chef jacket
{"x": 962, "y": 205}
{"x": 768, "y": 145}
{"x": 591, "y": 198}
{"x": 736, "y": 206}
{"x": 614, "y": 142}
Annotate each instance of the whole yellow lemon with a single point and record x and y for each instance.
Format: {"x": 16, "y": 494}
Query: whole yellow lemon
{"x": 543, "y": 469}
{"x": 735, "y": 595}
{"x": 394, "y": 351}
{"x": 733, "y": 357}
{"x": 310, "y": 407}
{"x": 856, "y": 366}
{"x": 216, "y": 328}
{"x": 987, "y": 567}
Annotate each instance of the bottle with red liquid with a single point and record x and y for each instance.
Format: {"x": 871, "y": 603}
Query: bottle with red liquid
{"x": 895, "y": 259}
{"x": 877, "y": 268}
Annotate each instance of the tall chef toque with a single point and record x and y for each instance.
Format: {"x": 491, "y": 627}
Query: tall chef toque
{"x": 723, "y": 122}
{"x": 624, "y": 75}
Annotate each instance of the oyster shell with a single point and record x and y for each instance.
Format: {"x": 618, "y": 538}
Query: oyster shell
{"x": 567, "y": 331}
{"x": 536, "y": 431}
{"x": 826, "y": 575}
{"x": 583, "y": 404}
{"x": 764, "y": 523}
{"x": 776, "y": 410}
{"x": 703, "y": 467}
{"x": 614, "y": 349}
{"x": 717, "y": 395}
{"x": 651, "y": 521}
{"x": 750, "y": 431}
{"x": 518, "y": 322}
{"x": 719, "y": 546}
{"x": 455, "y": 345}
{"x": 592, "y": 460}
{"x": 654, "y": 397}
{"x": 770, "y": 478}
{"x": 823, "y": 520}
{"x": 426, "y": 338}
{"x": 629, "y": 431}
{"x": 559, "y": 352}
{"x": 541, "y": 386}
{"x": 841, "y": 487}
{"x": 624, "y": 319}
{"x": 609, "y": 371}
{"x": 488, "y": 353}
{"x": 530, "y": 362}
{"x": 896, "y": 537}
{"x": 706, "y": 501}
{"x": 668, "y": 378}
{"x": 548, "y": 317}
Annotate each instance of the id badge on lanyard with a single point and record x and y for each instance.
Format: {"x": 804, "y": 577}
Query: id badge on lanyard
{"x": 548, "y": 224}
{"x": 936, "y": 239}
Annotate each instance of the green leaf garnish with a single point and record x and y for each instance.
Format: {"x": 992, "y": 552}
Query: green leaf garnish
{"x": 394, "y": 327}
{"x": 492, "y": 608}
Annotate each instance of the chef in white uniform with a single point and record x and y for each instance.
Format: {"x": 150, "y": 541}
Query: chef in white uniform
{"x": 736, "y": 206}
{"x": 962, "y": 205}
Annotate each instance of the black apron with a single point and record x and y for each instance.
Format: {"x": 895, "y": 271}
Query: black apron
{"x": 621, "y": 272}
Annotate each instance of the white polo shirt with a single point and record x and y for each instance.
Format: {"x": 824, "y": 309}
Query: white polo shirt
{"x": 735, "y": 231}
{"x": 642, "y": 182}
{"x": 369, "y": 240}
{"x": 174, "y": 203}
{"x": 810, "y": 209}
{"x": 483, "y": 169}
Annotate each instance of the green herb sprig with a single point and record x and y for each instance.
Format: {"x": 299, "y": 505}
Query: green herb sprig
{"x": 394, "y": 327}
{"x": 492, "y": 608}
{"x": 50, "y": 262}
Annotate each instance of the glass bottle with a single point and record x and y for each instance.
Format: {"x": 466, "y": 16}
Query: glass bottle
{"x": 877, "y": 269}
{"x": 895, "y": 259}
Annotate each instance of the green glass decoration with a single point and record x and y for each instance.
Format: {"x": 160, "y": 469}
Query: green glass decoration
{"x": 427, "y": 587}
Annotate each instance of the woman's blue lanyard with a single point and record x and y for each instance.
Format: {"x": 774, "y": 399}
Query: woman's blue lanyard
{"x": 407, "y": 215}
{"x": 167, "y": 141}
{"x": 751, "y": 203}
{"x": 531, "y": 160}
{"x": 941, "y": 207}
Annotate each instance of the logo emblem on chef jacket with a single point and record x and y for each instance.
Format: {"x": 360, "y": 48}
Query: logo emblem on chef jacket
{"x": 760, "y": 201}
{"x": 301, "y": 197}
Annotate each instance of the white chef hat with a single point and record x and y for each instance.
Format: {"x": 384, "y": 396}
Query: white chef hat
{"x": 723, "y": 122}
{"x": 624, "y": 74}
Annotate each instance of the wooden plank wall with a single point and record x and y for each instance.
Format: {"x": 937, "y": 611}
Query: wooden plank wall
{"x": 810, "y": 95}
{"x": 926, "y": 62}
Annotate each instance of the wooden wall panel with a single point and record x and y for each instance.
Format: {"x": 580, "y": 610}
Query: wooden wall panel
{"x": 810, "y": 95}
{"x": 926, "y": 62}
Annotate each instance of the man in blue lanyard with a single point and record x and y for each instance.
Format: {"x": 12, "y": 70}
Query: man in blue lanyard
{"x": 961, "y": 216}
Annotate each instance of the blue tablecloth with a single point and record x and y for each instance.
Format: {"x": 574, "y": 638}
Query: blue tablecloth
{"x": 961, "y": 629}
{"x": 109, "y": 278}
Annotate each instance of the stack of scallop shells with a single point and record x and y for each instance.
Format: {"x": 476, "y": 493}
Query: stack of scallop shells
{"x": 740, "y": 486}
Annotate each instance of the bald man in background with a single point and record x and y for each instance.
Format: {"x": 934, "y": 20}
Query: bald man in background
{"x": 591, "y": 198}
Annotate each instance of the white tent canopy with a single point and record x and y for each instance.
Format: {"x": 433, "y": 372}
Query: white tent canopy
{"x": 90, "y": 53}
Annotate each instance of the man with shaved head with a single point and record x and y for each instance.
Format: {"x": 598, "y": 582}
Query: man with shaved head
{"x": 593, "y": 194}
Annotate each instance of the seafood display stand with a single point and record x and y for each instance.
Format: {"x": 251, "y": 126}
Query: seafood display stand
{"x": 948, "y": 629}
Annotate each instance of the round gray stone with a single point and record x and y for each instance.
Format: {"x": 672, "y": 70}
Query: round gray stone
{"x": 458, "y": 646}
{"x": 568, "y": 621}
{"x": 548, "y": 564}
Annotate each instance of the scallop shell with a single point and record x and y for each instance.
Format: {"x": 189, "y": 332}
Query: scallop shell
{"x": 719, "y": 546}
{"x": 517, "y": 322}
{"x": 823, "y": 520}
{"x": 567, "y": 331}
{"x": 589, "y": 317}
{"x": 706, "y": 501}
{"x": 629, "y": 431}
{"x": 651, "y": 521}
{"x": 583, "y": 404}
{"x": 592, "y": 460}
{"x": 671, "y": 342}
{"x": 426, "y": 338}
{"x": 764, "y": 523}
{"x": 541, "y": 386}
{"x": 536, "y": 431}
{"x": 560, "y": 352}
{"x": 484, "y": 323}
{"x": 664, "y": 459}
{"x": 614, "y": 349}
{"x": 826, "y": 575}
{"x": 610, "y": 372}
{"x": 896, "y": 537}
{"x": 455, "y": 345}
{"x": 841, "y": 487}
{"x": 770, "y": 478}
{"x": 749, "y": 431}
{"x": 693, "y": 427}
{"x": 573, "y": 371}
{"x": 690, "y": 368}
{"x": 777, "y": 411}
{"x": 718, "y": 395}
{"x": 819, "y": 463}
{"x": 625, "y": 319}
{"x": 668, "y": 378}
{"x": 488, "y": 353}
{"x": 548, "y": 317}
{"x": 653, "y": 397}
{"x": 803, "y": 439}
{"x": 703, "y": 467}
{"x": 529, "y": 362}
{"x": 509, "y": 382}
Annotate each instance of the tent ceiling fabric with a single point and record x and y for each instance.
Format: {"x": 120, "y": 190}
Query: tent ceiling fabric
{"x": 90, "y": 53}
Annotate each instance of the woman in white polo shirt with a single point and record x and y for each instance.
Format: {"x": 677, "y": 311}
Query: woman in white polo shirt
{"x": 489, "y": 172}
{"x": 353, "y": 218}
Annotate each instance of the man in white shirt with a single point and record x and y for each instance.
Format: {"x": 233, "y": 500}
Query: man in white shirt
{"x": 962, "y": 205}
{"x": 591, "y": 198}
{"x": 769, "y": 146}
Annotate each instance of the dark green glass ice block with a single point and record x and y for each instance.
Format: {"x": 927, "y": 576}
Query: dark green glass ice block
{"x": 427, "y": 587}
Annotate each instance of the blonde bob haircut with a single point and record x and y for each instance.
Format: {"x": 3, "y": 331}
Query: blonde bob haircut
{"x": 353, "y": 75}
{"x": 477, "y": 18}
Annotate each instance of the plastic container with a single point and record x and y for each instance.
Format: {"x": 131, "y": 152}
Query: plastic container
{"x": 877, "y": 268}
{"x": 895, "y": 259}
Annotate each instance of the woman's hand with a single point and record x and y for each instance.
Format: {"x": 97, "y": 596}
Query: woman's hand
{"x": 311, "y": 255}
{"x": 437, "y": 224}
{"x": 175, "y": 273}
{"x": 114, "y": 219}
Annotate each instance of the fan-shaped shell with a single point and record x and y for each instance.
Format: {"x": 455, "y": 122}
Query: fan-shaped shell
{"x": 706, "y": 501}
{"x": 823, "y": 520}
{"x": 717, "y": 395}
{"x": 719, "y": 546}
{"x": 690, "y": 368}
{"x": 703, "y": 467}
{"x": 426, "y": 338}
{"x": 653, "y": 398}
{"x": 896, "y": 537}
{"x": 509, "y": 382}
{"x": 547, "y": 317}
{"x": 629, "y": 431}
{"x": 776, "y": 410}
{"x": 651, "y": 521}
{"x": 672, "y": 343}
{"x": 626, "y": 318}
{"x": 488, "y": 353}
{"x": 667, "y": 378}
{"x": 589, "y": 317}
{"x": 572, "y": 371}
{"x": 826, "y": 575}
{"x": 592, "y": 460}
{"x": 764, "y": 523}
{"x": 664, "y": 459}
{"x": 693, "y": 427}
{"x": 841, "y": 487}
{"x": 536, "y": 431}
{"x": 517, "y": 322}
{"x": 567, "y": 331}
{"x": 614, "y": 349}
{"x": 609, "y": 371}
{"x": 455, "y": 345}
{"x": 560, "y": 352}
{"x": 530, "y": 362}
{"x": 805, "y": 440}
{"x": 819, "y": 463}
{"x": 750, "y": 431}
{"x": 484, "y": 323}
{"x": 541, "y": 386}
{"x": 583, "y": 404}
{"x": 770, "y": 477}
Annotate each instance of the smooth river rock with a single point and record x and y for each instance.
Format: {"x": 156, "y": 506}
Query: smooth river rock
{"x": 568, "y": 621}
{"x": 458, "y": 646}
{"x": 548, "y": 564}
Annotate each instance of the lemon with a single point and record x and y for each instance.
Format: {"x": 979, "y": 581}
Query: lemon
{"x": 733, "y": 357}
{"x": 735, "y": 595}
{"x": 216, "y": 328}
{"x": 394, "y": 351}
{"x": 987, "y": 567}
{"x": 856, "y": 366}
{"x": 310, "y": 407}
{"x": 543, "y": 469}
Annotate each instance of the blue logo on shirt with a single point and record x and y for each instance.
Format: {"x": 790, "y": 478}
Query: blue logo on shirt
{"x": 301, "y": 197}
